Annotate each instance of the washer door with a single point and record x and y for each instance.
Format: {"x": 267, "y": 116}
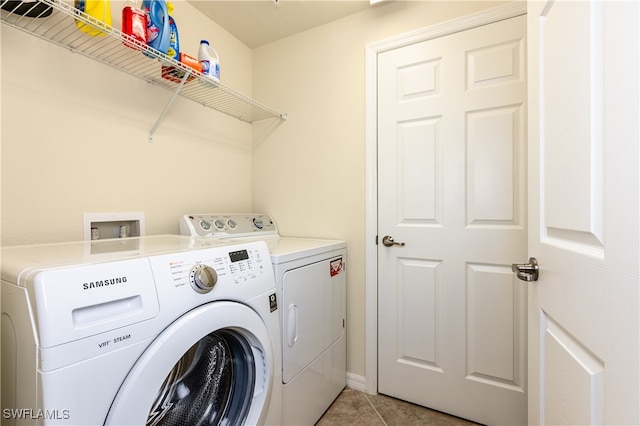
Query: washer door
{"x": 214, "y": 365}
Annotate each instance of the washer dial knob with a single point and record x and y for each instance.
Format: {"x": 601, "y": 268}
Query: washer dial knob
{"x": 258, "y": 223}
{"x": 205, "y": 225}
{"x": 203, "y": 278}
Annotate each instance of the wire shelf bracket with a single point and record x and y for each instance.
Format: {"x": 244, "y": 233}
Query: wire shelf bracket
{"x": 166, "y": 108}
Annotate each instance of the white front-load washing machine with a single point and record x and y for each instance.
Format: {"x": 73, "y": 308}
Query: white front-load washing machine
{"x": 311, "y": 284}
{"x": 164, "y": 330}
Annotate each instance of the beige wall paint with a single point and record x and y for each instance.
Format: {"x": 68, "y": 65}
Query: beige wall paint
{"x": 309, "y": 172}
{"x": 74, "y": 139}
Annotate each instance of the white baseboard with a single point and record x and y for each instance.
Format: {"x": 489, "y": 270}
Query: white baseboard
{"x": 356, "y": 382}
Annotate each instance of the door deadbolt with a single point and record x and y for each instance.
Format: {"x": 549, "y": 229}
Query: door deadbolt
{"x": 527, "y": 271}
{"x": 387, "y": 241}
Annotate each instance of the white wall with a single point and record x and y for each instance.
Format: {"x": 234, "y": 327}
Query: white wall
{"x": 74, "y": 139}
{"x": 309, "y": 172}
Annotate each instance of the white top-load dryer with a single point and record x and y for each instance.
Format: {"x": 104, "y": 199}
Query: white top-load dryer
{"x": 151, "y": 330}
{"x": 311, "y": 282}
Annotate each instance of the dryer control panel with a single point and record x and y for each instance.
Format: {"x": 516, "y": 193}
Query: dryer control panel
{"x": 227, "y": 225}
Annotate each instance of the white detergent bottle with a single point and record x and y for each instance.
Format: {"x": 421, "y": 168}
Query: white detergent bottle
{"x": 210, "y": 61}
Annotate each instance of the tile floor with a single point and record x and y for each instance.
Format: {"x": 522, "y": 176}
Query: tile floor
{"x": 355, "y": 408}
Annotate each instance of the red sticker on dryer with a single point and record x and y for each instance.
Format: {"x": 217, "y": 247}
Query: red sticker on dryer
{"x": 335, "y": 267}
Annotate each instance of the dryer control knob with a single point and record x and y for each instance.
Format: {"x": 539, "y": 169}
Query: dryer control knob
{"x": 203, "y": 278}
{"x": 258, "y": 223}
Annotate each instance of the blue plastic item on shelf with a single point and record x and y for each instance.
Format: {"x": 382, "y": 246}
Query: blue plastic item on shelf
{"x": 174, "y": 39}
{"x": 158, "y": 32}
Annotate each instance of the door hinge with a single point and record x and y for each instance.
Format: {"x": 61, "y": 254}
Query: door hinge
{"x": 376, "y": 240}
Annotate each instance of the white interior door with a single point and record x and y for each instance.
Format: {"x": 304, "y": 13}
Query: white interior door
{"x": 452, "y": 188}
{"x": 583, "y": 212}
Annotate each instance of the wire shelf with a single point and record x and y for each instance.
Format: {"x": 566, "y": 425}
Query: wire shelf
{"x": 57, "y": 22}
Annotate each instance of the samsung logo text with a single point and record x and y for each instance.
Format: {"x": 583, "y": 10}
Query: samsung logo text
{"x": 104, "y": 283}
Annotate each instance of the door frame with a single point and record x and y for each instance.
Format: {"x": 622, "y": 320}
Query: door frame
{"x": 372, "y": 51}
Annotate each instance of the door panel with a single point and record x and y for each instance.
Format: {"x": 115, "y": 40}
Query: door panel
{"x": 496, "y": 358}
{"x": 492, "y": 198}
{"x": 574, "y": 211}
{"x": 584, "y": 319}
{"x": 452, "y": 187}
{"x": 418, "y": 284}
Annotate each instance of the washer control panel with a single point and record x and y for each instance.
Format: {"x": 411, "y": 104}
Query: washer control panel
{"x": 219, "y": 269}
{"x": 231, "y": 225}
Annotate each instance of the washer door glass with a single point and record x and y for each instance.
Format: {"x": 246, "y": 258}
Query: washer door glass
{"x": 213, "y": 365}
{"x": 211, "y": 384}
